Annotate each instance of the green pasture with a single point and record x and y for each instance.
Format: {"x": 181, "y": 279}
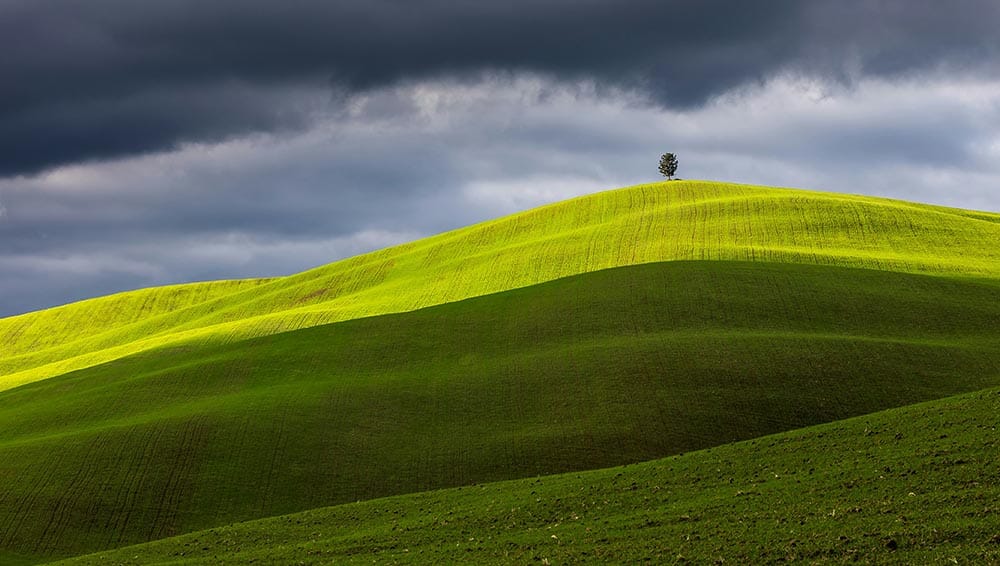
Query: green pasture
{"x": 606, "y": 368}
{"x": 914, "y": 485}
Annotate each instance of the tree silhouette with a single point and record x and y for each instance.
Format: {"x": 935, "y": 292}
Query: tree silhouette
{"x": 668, "y": 165}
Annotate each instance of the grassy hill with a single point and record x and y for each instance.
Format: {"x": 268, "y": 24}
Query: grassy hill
{"x": 615, "y": 328}
{"x": 599, "y": 369}
{"x": 690, "y": 220}
{"x": 916, "y": 485}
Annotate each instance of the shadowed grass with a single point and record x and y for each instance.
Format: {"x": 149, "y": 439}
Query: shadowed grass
{"x": 914, "y": 485}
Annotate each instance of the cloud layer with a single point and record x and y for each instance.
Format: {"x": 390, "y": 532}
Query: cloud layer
{"x": 112, "y": 78}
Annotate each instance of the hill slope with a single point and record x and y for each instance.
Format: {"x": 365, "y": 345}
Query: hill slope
{"x": 915, "y": 485}
{"x": 599, "y": 369}
{"x": 688, "y": 220}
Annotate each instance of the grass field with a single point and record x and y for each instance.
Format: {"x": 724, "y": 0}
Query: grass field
{"x": 615, "y": 328}
{"x": 589, "y": 371}
{"x": 690, "y": 220}
{"x": 915, "y": 485}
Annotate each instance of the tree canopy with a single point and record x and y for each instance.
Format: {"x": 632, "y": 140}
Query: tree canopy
{"x": 668, "y": 165}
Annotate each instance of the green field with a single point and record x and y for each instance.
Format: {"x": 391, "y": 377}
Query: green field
{"x": 689, "y": 220}
{"x": 916, "y": 485}
{"x": 583, "y": 372}
{"x": 616, "y": 328}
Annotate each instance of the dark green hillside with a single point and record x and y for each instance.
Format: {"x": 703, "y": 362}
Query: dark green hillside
{"x": 595, "y": 370}
{"x": 915, "y": 485}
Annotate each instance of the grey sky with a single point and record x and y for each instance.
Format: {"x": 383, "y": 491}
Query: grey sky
{"x": 173, "y": 141}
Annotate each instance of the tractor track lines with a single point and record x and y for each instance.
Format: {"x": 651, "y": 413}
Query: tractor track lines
{"x": 277, "y": 449}
{"x": 176, "y": 487}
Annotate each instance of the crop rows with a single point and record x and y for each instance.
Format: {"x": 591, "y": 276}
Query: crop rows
{"x": 109, "y": 488}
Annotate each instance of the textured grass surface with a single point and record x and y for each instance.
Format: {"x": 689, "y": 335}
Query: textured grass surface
{"x": 42, "y": 330}
{"x": 605, "y": 368}
{"x": 916, "y": 485}
{"x": 688, "y": 220}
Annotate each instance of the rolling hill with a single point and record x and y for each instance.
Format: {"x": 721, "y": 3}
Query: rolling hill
{"x": 914, "y": 485}
{"x": 611, "y": 329}
{"x": 687, "y": 220}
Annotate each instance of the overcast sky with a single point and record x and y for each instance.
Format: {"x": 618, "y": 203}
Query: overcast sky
{"x": 145, "y": 143}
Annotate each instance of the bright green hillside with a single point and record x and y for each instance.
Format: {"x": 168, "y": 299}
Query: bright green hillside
{"x": 39, "y": 331}
{"x": 595, "y": 370}
{"x": 689, "y": 220}
{"x": 917, "y": 485}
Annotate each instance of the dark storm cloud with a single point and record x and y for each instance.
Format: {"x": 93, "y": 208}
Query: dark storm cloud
{"x": 107, "y": 78}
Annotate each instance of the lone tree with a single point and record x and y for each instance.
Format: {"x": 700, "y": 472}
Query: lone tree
{"x": 668, "y": 165}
